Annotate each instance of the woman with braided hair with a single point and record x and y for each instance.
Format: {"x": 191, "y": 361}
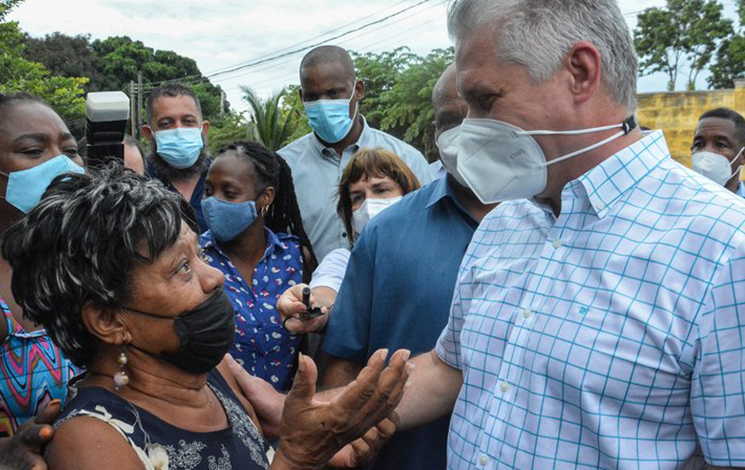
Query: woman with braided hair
{"x": 256, "y": 238}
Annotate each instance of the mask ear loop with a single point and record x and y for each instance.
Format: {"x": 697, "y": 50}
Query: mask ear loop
{"x": 739, "y": 167}
{"x": 626, "y": 127}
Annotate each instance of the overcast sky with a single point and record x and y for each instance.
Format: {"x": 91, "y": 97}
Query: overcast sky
{"x": 220, "y": 34}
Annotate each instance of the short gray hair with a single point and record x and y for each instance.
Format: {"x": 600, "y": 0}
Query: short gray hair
{"x": 537, "y": 34}
{"x": 80, "y": 245}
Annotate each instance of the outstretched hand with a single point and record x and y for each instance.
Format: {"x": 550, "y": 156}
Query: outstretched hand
{"x": 24, "y": 450}
{"x": 363, "y": 451}
{"x": 312, "y": 431}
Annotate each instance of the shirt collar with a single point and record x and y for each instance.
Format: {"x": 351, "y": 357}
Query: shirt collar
{"x": 322, "y": 149}
{"x": 273, "y": 243}
{"x": 443, "y": 188}
{"x": 605, "y": 184}
{"x": 440, "y": 190}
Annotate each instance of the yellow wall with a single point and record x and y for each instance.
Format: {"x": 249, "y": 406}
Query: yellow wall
{"x": 677, "y": 114}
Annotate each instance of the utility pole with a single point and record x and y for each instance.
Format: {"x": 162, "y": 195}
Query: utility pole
{"x": 140, "y": 92}
{"x": 132, "y": 104}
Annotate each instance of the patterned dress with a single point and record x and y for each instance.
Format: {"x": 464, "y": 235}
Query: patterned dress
{"x": 161, "y": 446}
{"x": 262, "y": 345}
{"x": 33, "y": 372}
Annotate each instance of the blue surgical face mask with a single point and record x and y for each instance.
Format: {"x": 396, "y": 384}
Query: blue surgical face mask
{"x": 226, "y": 219}
{"x": 180, "y": 147}
{"x": 26, "y": 187}
{"x": 330, "y": 119}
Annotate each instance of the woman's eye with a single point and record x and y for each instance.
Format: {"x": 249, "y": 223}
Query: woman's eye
{"x": 185, "y": 268}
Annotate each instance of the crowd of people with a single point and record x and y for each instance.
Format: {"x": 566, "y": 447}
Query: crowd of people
{"x": 554, "y": 292}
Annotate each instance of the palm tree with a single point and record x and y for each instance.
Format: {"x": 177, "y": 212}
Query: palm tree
{"x": 270, "y": 124}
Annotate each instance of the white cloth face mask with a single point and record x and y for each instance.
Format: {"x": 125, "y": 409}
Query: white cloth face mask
{"x": 715, "y": 166}
{"x": 502, "y": 162}
{"x": 369, "y": 209}
{"x": 448, "y": 149}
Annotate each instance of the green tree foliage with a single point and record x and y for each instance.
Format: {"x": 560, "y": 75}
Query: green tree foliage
{"x": 112, "y": 63}
{"x": 270, "y": 124}
{"x": 64, "y": 94}
{"x": 230, "y": 128}
{"x": 380, "y": 72}
{"x": 683, "y": 33}
{"x": 119, "y": 60}
{"x": 407, "y": 105}
{"x": 730, "y": 59}
{"x": 292, "y": 107}
{"x": 68, "y": 56}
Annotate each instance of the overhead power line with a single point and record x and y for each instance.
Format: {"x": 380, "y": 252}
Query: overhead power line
{"x": 314, "y": 38}
{"x": 311, "y": 46}
{"x": 406, "y": 31}
{"x": 299, "y": 49}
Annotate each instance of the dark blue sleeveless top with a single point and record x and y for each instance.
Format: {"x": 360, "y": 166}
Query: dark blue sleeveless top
{"x": 160, "y": 445}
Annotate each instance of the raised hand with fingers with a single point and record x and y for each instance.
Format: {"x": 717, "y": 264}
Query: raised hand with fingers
{"x": 312, "y": 431}
{"x": 363, "y": 451}
{"x": 24, "y": 450}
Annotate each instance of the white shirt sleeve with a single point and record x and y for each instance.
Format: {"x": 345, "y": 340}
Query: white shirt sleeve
{"x": 330, "y": 273}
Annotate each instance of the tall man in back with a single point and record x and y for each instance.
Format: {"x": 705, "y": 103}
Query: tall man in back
{"x": 178, "y": 136}
{"x": 331, "y": 94}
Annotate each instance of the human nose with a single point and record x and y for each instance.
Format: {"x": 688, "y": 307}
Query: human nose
{"x": 211, "y": 278}
{"x": 709, "y": 147}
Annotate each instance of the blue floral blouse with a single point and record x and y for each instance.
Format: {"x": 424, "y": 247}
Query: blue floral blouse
{"x": 262, "y": 345}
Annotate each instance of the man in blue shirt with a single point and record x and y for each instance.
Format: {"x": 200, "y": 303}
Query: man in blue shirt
{"x": 718, "y": 148}
{"x": 399, "y": 285}
{"x": 178, "y": 133}
{"x": 331, "y": 95}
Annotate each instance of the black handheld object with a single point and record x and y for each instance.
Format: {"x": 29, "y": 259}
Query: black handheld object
{"x": 106, "y": 115}
{"x": 310, "y": 312}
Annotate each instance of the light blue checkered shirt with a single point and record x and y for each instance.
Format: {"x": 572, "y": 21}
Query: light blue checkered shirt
{"x": 609, "y": 337}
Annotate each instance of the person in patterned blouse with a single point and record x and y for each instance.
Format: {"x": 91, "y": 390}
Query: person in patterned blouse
{"x": 256, "y": 238}
{"x": 33, "y": 371}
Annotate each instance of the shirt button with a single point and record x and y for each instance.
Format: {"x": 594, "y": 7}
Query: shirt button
{"x": 557, "y": 244}
{"x": 505, "y": 387}
{"x": 483, "y": 460}
{"x": 527, "y": 313}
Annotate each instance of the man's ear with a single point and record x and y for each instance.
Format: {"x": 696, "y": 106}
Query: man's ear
{"x": 205, "y": 127}
{"x": 147, "y": 131}
{"x": 359, "y": 90}
{"x": 105, "y": 325}
{"x": 584, "y": 64}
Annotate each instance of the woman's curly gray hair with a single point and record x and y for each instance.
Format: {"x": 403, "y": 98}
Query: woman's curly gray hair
{"x": 80, "y": 245}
